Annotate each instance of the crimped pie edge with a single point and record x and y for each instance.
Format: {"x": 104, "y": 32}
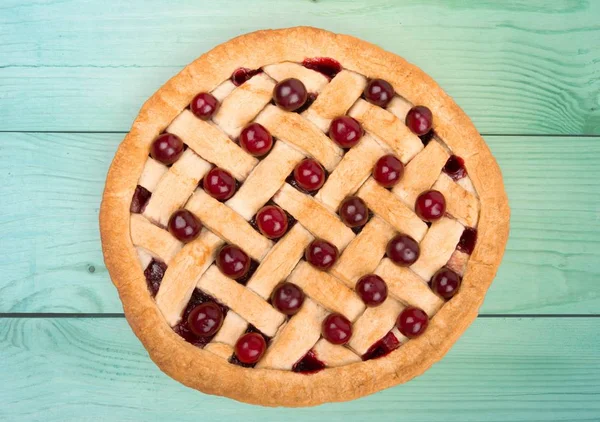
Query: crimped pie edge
{"x": 211, "y": 374}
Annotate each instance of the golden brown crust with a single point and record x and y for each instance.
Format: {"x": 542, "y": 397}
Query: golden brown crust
{"x": 314, "y": 216}
{"x": 327, "y": 290}
{"x": 296, "y": 130}
{"x": 206, "y": 371}
{"x": 335, "y": 100}
{"x": 364, "y": 253}
{"x": 387, "y": 128}
{"x": 389, "y": 207}
{"x": 351, "y": 172}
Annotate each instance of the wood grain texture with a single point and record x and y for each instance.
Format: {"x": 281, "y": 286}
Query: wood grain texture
{"x": 51, "y": 261}
{"x": 500, "y": 370}
{"x": 50, "y": 255}
{"x": 515, "y": 67}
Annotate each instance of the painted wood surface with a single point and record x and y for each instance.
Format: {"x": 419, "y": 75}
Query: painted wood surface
{"x": 520, "y": 67}
{"x": 52, "y": 186}
{"x": 502, "y": 369}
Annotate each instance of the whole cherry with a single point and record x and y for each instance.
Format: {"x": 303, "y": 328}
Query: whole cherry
{"x": 205, "y": 319}
{"x": 430, "y": 205}
{"x": 336, "y": 329}
{"x": 250, "y": 348}
{"x": 321, "y": 254}
{"x": 166, "y": 148}
{"x": 204, "y": 105}
{"x": 412, "y": 322}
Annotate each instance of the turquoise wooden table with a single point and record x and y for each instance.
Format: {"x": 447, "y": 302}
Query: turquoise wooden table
{"x": 73, "y": 75}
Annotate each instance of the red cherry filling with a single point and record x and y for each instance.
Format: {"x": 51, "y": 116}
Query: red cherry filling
{"x": 419, "y": 120}
{"x": 272, "y": 221}
{"x": 403, "y": 250}
{"x": 256, "y": 140}
{"x": 311, "y": 97}
{"x": 139, "y": 200}
{"x": 445, "y": 283}
{"x": 183, "y": 328}
{"x": 388, "y": 170}
{"x": 290, "y": 94}
{"x": 166, "y": 148}
{"x": 372, "y": 290}
{"x": 309, "y": 175}
{"x": 467, "y": 241}
{"x": 412, "y": 322}
{"x": 386, "y": 345}
{"x": 205, "y": 319}
{"x": 430, "y": 205}
{"x": 233, "y": 262}
{"x": 455, "y": 168}
{"x": 184, "y": 225}
{"x": 354, "y": 212}
{"x": 287, "y": 298}
{"x": 219, "y": 184}
{"x": 242, "y": 74}
{"x": 250, "y": 348}
{"x": 379, "y": 92}
{"x": 345, "y": 131}
{"x": 325, "y": 65}
{"x": 336, "y": 329}
{"x": 427, "y": 137}
{"x": 204, "y": 105}
{"x": 244, "y": 280}
{"x": 154, "y": 273}
{"x": 309, "y": 364}
{"x": 321, "y": 254}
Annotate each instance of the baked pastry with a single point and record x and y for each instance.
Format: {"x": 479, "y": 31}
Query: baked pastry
{"x": 300, "y": 217}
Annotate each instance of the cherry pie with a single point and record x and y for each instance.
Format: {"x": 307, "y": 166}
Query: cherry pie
{"x": 300, "y": 217}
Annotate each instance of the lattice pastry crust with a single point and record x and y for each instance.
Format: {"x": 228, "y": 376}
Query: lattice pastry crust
{"x": 131, "y": 242}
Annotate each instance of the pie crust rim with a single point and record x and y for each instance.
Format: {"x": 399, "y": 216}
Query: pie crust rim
{"x": 205, "y": 371}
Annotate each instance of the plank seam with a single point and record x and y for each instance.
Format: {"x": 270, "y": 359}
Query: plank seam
{"x": 59, "y": 315}
{"x": 121, "y": 132}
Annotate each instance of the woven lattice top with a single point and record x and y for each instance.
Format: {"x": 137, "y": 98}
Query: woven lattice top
{"x": 190, "y": 275}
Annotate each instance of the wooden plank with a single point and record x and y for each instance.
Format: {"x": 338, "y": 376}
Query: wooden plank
{"x": 50, "y": 253}
{"x": 525, "y": 67}
{"x": 545, "y": 369}
{"x": 50, "y": 257}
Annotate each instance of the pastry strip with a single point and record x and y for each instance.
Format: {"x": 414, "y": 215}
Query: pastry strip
{"x": 208, "y": 141}
{"x": 314, "y": 216}
{"x": 336, "y": 98}
{"x": 152, "y": 238}
{"x": 247, "y": 304}
{"x": 295, "y": 338}
{"x": 243, "y": 104}
{"x": 351, "y": 172}
{"x": 265, "y": 180}
{"x": 408, "y": 287}
{"x": 389, "y": 207}
{"x": 280, "y": 261}
{"x": 421, "y": 173}
{"x": 296, "y": 130}
{"x": 333, "y": 355}
{"x": 387, "y": 128}
{"x": 460, "y": 203}
{"x": 313, "y": 81}
{"x": 183, "y": 273}
{"x": 373, "y": 324}
{"x": 437, "y": 247}
{"x": 175, "y": 187}
{"x": 228, "y": 224}
{"x": 326, "y": 290}
{"x": 364, "y": 253}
